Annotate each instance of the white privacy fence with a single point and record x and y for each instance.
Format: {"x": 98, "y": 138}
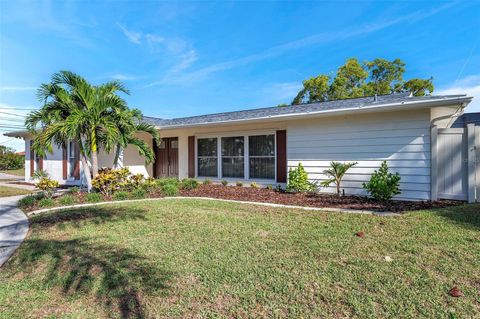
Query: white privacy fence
{"x": 456, "y": 163}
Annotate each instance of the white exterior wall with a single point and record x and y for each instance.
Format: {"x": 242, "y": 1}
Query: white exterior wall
{"x": 400, "y": 138}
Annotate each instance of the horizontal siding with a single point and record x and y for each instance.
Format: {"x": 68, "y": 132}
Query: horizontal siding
{"x": 400, "y": 138}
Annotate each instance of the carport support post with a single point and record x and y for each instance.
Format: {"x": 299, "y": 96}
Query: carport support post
{"x": 471, "y": 162}
{"x": 434, "y": 163}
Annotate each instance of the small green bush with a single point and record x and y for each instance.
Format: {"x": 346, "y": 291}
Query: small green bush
{"x": 189, "y": 183}
{"x": 27, "y": 201}
{"x": 46, "y": 202}
{"x": 171, "y": 181}
{"x": 239, "y": 184}
{"x": 298, "y": 181}
{"x": 224, "y": 182}
{"x": 270, "y": 187}
{"x": 66, "y": 200}
{"x": 207, "y": 182}
{"x": 169, "y": 189}
{"x": 120, "y": 195}
{"x": 74, "y": 190}
{"x": 138, "y": 193}
{"x": 254, "y": 185}
{"x": 383, "y": 185}
{"x": 47, "y": 186}
{"x": 93, "y": 197}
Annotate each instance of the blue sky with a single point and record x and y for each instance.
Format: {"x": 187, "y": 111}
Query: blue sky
{"x": 189, "y": 58}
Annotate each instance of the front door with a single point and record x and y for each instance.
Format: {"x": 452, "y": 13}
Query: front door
{"x": 166, "y": 162}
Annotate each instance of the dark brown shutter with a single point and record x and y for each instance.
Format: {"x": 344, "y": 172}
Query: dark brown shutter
{"x": 64, "y": 162}
{"x": 32, "y": 159}
{"x": 282, "y": 156}
{"x": 40, "y": 164}
{"x": 191, "y": 156}
{"x": 156, "y": 161}
{"x": 76, "y": 170}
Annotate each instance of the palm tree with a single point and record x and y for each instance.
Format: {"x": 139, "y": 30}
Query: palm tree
{"x": 76, "y": 110}
{"x": 335, "y": 174}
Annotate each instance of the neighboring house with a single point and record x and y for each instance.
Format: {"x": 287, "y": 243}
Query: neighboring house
{"x": 261, "y": 145}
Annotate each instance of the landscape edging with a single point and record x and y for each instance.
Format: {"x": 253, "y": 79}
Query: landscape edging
{"x": 325, "y": 209}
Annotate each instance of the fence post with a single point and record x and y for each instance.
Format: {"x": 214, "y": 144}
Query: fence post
{"x": 434, "y": 163}
{"x": 471, "y": 162}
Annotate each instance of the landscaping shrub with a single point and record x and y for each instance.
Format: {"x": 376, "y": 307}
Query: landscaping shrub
{"x": 335, "y": 174}
{"x": 93, "y": 197}
{"x": 10, "y": 161}
{"x": 47, "y": 186}
{"x": 239, "y": 184}
{"x": 46, "y": 202}
{"x": 224, "y": 182}
{"x": 270, "y": 187}
{"x": 27, "y": 201}
{"x": 189, "y": 183}
{"x": 150, "y": 185}
{"x": 171, "y": 180}
{"x": 298, "y": 181}
{"x": 120, "y": 195}
{"x": 207, "y": 182}
{"x": 254, "y": 185}
{"x": 39, "y": 174}
{"x": 169, "y": 189}
{"x": 138, "y": 193}
{"x": 383, "y": 185}
{"x": 111, "y": 180}
{"x": 74, "y": 190}
{"x": 66, "y": 200}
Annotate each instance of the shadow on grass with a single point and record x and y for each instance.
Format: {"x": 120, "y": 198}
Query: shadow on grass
{"x": 96, "y": 215}
{"x": 115, "y": 277}
{"x": 467, "y": 216}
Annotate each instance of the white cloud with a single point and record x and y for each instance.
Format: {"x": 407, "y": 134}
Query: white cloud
{"x": 469, "y": 85}
{"x": 134, "y": 37}
{"x": 123, "y": 77}
{"x": 18, "y": 88}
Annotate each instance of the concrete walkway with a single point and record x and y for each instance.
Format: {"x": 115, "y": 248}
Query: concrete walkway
{"x": 19, "y": 186}
{"x": 11, "y": 177}
{"x": 13, "y": 227}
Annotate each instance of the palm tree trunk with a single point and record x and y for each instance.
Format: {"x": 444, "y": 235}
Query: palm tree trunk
{"x": 86, "y": 171}
{"x": 94, "y": 164}
{"x": 117, "y": 156}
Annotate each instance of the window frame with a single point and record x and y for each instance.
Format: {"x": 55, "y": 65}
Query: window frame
{"x": 246, "y": 166}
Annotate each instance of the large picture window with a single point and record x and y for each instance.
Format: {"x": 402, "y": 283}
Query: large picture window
{"x": 207, "y": 157}
{"x": 261, "y": 156}
{"x": 233, "y": 156}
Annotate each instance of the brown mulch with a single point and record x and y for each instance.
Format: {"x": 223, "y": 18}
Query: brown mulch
{"x": 312, "y": 200}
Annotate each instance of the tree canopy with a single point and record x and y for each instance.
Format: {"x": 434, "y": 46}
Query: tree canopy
{"x": 355, "y": 79}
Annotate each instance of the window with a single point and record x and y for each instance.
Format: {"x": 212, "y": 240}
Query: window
{"x": 233, "y": 151}
{"x": 207, "y": 157}
{"x": 261, "y": 156}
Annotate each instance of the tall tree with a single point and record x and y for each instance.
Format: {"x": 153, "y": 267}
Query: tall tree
{"x": 76, "y": 110}
{"x": 353, "y": 79}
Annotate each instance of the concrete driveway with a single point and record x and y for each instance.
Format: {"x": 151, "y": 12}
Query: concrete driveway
{"x": 13, "y": 227}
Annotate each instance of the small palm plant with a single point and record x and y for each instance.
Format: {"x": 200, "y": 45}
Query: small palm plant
{"x": 335, "y": 174}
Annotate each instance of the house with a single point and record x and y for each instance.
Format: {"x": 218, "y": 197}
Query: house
{"x": 262, "y": 144}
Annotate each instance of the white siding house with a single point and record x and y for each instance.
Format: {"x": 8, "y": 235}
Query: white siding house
{"x": 261, "y": 145}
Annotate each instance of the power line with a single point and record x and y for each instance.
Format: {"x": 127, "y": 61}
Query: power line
{"x": 16, "y": 108}
{"x": 7, "y": 113}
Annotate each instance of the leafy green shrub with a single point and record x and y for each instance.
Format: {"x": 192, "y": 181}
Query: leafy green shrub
{"x": 109, "y": 180}
{"x": 224, "y": 182}
{"x": 120, "y": 195}
{"x": 207, "y": 182}
{"x": 189, "y": 183}
{"x": 239, "y": 184}
{"x": 27, "y": 201}
{"x": 150, "y": 185}
{"x": 11, "y": 160}
{"x": 66, "y": 200}
{"x": 171, "y": 180}
{"x": 335, "y": 174}
{"x": 138, "y": 193}
{"x": 298, "y": 181}
{"x": 169, "y": 189}
{"x": 254, "y": 185}
{"x": 93, "y": 197}
{"x": 383, "y": 185}
{"x": 270, "y": 187}
{"x": 74, "y": 190}
{"x": 47, "y": 186}
{"x": 46, "y": 202}
{"x": 39, "y": 174}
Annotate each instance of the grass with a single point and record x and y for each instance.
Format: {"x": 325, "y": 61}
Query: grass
{"x": 197, "y": 258}
{"x": 12, "y": 191}
{"x": 17, "y": 172}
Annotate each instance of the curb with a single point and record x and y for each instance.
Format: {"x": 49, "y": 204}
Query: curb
{"x": 324, "y": 209}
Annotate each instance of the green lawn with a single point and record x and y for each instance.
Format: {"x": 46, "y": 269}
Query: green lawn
{"x": 198, "y": 258}
{"x": 12, "y": 191}
{"x": 17, "y": 172}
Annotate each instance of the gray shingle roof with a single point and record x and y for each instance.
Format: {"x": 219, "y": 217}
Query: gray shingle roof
{"x": 397, "y": 98}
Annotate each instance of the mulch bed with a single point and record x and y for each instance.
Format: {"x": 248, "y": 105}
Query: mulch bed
{"x": 312, "y": 200}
